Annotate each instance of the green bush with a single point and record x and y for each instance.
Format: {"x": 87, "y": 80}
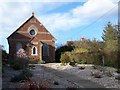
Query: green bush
{"x": 62, "y": 64}
{"x": 65, "y": 57}
{"x": 80, "y": 50}
{"x": 82, "y": 62}
{"x": 16, "y": 66}
{"x": 61, "y": 50}
{"x": 36, "y": 62}
{"x": 20, "y": 63}
{"x": 111, "y": 58}
{"x": 42, "y": 62}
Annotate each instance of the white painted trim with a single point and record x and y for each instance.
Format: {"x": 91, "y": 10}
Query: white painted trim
{"x": 46, "y": 40}
{"x": 43, "y": 33}
{"x": 35, "y": 43}
{"x": 35, "y": 52}
{"x": 34, "y": 28}
{"x": 41, "y": 53}
{"x": 21, "y": 32}
{"x": 29, "y": 39}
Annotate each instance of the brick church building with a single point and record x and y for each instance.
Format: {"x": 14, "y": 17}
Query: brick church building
{"x": 35, "y": 39}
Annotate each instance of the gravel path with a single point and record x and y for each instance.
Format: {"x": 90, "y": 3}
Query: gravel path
{"x": 65, "y": 76}
{"x": 64, "y": 79}
{"x": 108, "y": 82}
{"x": 6, "y": 76}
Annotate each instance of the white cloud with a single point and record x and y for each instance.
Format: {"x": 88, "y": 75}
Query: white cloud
{"x": 13, "y": 14}
{"x": 18, "y": 12}
{"x": 81, "y": 15}
{"x": 57, "y": 22}
{"x": 43, "y": 0}
{"x": 93, "y": 8}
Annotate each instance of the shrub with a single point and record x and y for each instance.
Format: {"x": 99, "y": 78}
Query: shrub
{"x": 61, "y": 50}
{"x": 65, "y": 57}
{"x": 20, "y": 63}
{"x": 16, "y": 66}
{"x": 62, "y": 64}
{"x": 82, "y": 62}
{"x": 21, "y": 60}
{"x": 111, "y": 59}
{"x": 21, "y": 53}
{"x": 80, "y": 50}
{"x": 33, "y": 60}
{"x": 24, "y": 75}
{"x": 42, "y": 62}
{"x": 72, "y": 63}
{"x": 36, "y": 62}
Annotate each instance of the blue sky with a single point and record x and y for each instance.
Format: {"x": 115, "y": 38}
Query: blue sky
{"x": 65, "y": 19}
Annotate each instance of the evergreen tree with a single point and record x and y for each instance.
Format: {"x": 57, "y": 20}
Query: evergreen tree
{"x": 110, "y": 38}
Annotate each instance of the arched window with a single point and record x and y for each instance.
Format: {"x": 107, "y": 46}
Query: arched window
{"x": 18, "y": 46}
{"x": 45, "y": 50}
{"x": 34, "y": 51}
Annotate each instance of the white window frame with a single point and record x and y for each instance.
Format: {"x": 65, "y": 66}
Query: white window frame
{"x": 34, "y": 28}
{"x": 36, "y": 51}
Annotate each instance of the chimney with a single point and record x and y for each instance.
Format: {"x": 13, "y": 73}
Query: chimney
{"x": 83, "y": 39}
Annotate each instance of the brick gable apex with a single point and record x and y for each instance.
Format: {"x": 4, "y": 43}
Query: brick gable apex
{"x": 40, "y": 26}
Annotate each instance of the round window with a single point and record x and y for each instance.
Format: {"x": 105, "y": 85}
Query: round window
{"x": 32, "y": 32}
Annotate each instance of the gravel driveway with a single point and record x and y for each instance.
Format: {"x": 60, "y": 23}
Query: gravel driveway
{"x": 66, "y": 77}
{"x": 65, "y": 80}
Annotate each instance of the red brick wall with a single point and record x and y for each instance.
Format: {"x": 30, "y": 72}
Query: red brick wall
{"x": 25, "y": 37}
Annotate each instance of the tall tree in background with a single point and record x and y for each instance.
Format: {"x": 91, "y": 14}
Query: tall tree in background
{"x": 110, "y": 38}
